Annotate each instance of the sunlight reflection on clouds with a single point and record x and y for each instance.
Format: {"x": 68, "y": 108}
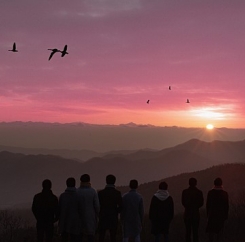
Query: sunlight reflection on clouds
{"x": 215, "y": 113}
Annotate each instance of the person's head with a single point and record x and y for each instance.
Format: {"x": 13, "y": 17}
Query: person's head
{"x": 85, "y": 178}
{"x": 47, "y": 184}
{"x": 192, "y": 181}
{"x": 133, "y": 184}
{"x": 71, "y": 182}
{"x": 110, "y": 179}
{"x": 163, "y": 186}
{"x": 218, "y": 182}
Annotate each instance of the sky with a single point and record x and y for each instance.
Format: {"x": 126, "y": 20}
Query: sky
{"x": 121, "y": 54}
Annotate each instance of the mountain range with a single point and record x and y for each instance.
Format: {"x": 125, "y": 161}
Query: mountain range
{"x": 79, "y": 155}
{"x": 21, "y": 175}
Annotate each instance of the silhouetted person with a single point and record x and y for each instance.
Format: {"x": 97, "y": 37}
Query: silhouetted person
{"x": 90, "y": 207}
{"x": 217, "y": 207}
{"x": 110, "y": 206}
{"x": 132, "y": 213}
{"x": 192, "y": 200}
{"x": 45, "y": 210}
{"x": 69, "y": 213}
{"x": 161, "y": 212}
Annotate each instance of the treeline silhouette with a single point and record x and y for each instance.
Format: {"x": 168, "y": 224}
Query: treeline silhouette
{"x": 19, "y": 224}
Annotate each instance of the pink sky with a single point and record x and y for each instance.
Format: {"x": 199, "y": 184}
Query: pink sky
{"x": 122, "y": 53}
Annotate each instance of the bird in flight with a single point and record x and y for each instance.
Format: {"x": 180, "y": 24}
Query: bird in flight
{"x": 53, "y": 51}
{"x": 14, "y": 48}
{"x": 187, "y": 101}
{"x": 169, "y": 87}
{"x": 148, "y": 101}
{"x": 64, "y": 52}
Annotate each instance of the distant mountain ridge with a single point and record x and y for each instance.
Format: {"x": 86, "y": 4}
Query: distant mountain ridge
{"x": 80, "y": 155}
{"x": 104, "y": 138}
{"x": 222, "y": 151}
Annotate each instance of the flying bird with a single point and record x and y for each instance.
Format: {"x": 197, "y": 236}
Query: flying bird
{"x": 169, "y": 87}
{"x": 14, "y": 48}
{"x": 187, "y": 101}
{"x": 64, "y": 52}
{"x": 53, "y": 51}
{"x": 148, "y": 101}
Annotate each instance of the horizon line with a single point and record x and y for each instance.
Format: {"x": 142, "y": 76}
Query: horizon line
{"x": 107, "y": 124}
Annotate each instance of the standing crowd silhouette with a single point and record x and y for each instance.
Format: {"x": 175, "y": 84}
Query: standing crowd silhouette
{"x": 82, "y": 211}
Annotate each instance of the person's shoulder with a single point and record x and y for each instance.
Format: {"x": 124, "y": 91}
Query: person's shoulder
{"x": 125, "y": 194}
{"x": 198, "y": 190}
{"x": 210, "y": 191}
{"x": 54, "y": 197}
{"x": 139, "y": 195}
{"x": 213, "y": 192}
{"x": 118, "y": 192}
{"x": 94, "y": 190}
{"x": 38, "y": 195}
{"x": 170, "y": 198}
{"x": 225, "y": 192}
{"x": 101, "y": 190}
{"x": 61, "y": 197}
{"x": 185, "y": 191}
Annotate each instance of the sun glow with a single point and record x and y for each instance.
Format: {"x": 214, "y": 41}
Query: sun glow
{"x": 210, "y": 113}
{"x": 209, "y": 126}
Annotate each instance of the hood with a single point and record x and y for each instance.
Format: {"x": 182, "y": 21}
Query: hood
{"x": 162, "y": 194}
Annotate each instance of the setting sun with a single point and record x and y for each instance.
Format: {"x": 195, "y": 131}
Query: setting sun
{"x": 209, "y": 126}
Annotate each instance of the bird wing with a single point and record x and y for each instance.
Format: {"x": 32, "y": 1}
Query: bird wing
{"x": 14, "y": 46}
{"x": 65, "y": 48}
{"x": 52, "y": 53}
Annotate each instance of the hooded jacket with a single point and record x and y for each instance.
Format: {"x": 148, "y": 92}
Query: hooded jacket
{"x": 161, "y": 211}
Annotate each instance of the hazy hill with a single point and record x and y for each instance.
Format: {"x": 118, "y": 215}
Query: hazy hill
{"x": 21, "y": 175}
{"x": 231, "y": 174}
{"x": 219, "y": 151}
{"x": 225, "y": 151}
{"x": 80, "y": 155}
